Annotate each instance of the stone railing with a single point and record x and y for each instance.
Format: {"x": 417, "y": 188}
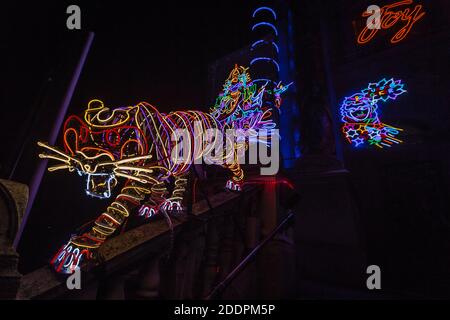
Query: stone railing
{"x": 140, "y": 264}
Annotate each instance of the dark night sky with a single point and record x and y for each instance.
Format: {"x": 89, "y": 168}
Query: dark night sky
{"x": 147, "y": 50}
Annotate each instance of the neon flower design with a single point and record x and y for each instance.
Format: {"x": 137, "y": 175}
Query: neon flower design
{"x": 360, "y": 115}
{"x": 132, "y": 147}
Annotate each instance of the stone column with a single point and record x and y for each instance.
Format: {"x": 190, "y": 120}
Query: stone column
{"x": 148, "y": 279}
{"x": 13, "y": 201}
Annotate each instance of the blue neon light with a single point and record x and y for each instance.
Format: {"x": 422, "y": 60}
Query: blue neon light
{"x": 259, "y": 24}
{"x": 265, "y": 59}
{"x": 263, "y": 41}
{"x": 276, "y": 47}
{"x": 267, "y": 9}
{"x": 263, "y": 80}
{"x": 361, "y": 123}
{"x": 256, "y": 43}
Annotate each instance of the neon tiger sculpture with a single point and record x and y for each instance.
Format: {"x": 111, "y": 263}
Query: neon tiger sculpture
{"x": 360, "y": 115}
{"x": 134, "y": 143}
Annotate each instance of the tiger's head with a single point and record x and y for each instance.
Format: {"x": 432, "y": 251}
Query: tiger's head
{"x": 102, "y": 147}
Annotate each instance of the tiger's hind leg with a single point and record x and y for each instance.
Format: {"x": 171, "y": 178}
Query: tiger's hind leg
{"x": 237, "y": 180}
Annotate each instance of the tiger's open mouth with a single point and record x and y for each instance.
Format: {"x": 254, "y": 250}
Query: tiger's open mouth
{"x": 101, "y": 172}
{"x": 99, "y": 185}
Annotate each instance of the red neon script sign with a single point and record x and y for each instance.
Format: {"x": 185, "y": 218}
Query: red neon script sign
{"x": 389, "y": 17}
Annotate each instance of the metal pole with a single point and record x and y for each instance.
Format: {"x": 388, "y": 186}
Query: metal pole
{"x": 223, "y": 285}
{"x": 39, "y": 173}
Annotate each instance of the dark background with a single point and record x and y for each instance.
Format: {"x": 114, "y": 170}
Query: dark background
{"x": 160, "y": 52}
{"x": 401, "y": 193}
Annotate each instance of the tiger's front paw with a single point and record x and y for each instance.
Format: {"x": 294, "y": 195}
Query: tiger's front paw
{"x": 147, "y": 211}
{"x": 172, "y": 206}
{"x": 70, "y": 257}
{"x": 233, "y": 185}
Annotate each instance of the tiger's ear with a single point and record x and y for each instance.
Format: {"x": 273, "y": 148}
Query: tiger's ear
{"x": 95, "y": 104}
{"x": 75, "y": 132}
{"x": 71, "y": 140}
